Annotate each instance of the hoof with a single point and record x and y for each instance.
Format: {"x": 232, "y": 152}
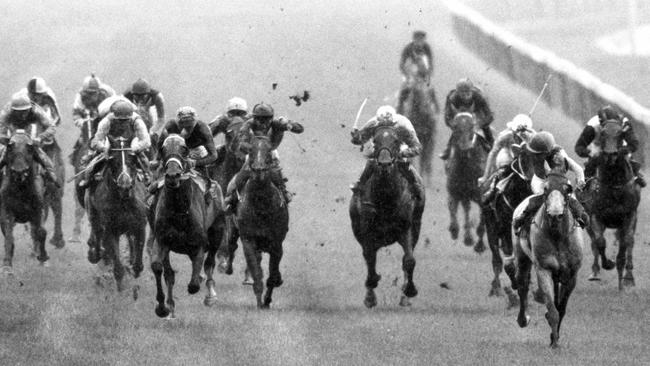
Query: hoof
{"x": 523, "y": 322}
{"x": 594, "y": 277}
{"x": 264, "y": 306}
{"x": 479, "y": 247}
{"x": 628, "y": 281}
{"x": 404, "y": 301}
{"x": 608, "y": 265}
{"x": 468, "y": 241}
{"x": 193, "y": 288}
{"x": 453, "y": 230}
{"x": 162, "y": 311}
{"x": 512, "y": 299}
{"x": 44, "y": 264}
{"x": 248, "y": 280}
{"x": 410, "y": 290}
{"x": 57, "y": 242}
{"x": 554, "y": 344}
{"x": 370, "y": 301}
{"x": 223, "y": 267}
{"x": 93, "y": 256}
{"x": 496, "y": 291}
{"x": 210, "y": 300}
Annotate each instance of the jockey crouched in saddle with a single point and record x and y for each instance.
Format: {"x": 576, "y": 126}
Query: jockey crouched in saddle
{"x": 589, "y": 143}
{"x": 42, "y": 95}
{"x": 518, "y": 131}
{"x": 387, "y": 116}
{"x": 236, "y": 110}
{"x": 20, "y": 114}
{"x": 144, "y": 97}
{"x": 467, "y": 98}
{"x": 119, "y": 121}
{"x": 545, "y": 155}
{"x": 261, "y": 124}
{"x": 198, "y": 139}
{"x": 416, "y": 61}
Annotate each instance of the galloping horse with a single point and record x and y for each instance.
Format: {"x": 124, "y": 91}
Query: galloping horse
{"x": 231, "y": 164}
{"x": 554, "y": 248}
{"x": 420, "y": 107}
{"x": 611, "y": 201}
{"x": 465, "y": 165}
{"x": 184, "y": 223}
{"x": 115, "y": 207}
{"x": 263, "y": 219}
{"x": 497, "y": 217}
{"x": 384, "y": 211}
{"x": 22, "y": 200}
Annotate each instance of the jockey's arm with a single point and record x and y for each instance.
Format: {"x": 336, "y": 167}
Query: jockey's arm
{"x": 360, "y": 137}
{"x": 427, "y": 51}
{"x": 483, "y": 106}
{"x": 410, "y": 138}
{"x": 291, "y": 126}
{"x": 79, "y": 113}
{"x": 142, "y": 140}
{"x": 402, "y": 61}
{"x": 47, "y": 125}
{"x": 212, "y": 154}
{"x": 159, "y": 103}
{"x": 99, "y": 142}
{"x": 504, "y": 140}
{"x": 630, "y": 137}
{"x": 245, "y": 138}
{"x": 449, "y": 109}
{"x": 4, "y": 128}
{"x": 582, "y": 145}
{"x": 218, "y": 125}
{"x": 575, "y": 168}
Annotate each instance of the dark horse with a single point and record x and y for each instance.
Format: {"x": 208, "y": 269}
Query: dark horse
{"x": 263, "y": 220}
{"x": 184, "y": 223}
{"x": 384, "y": 211}
{"x": 497, "y": 217}
{"x": 229, "y": 164}
{"x": 420, "y": 107}
{"x": 115, "y": 207}
{"x": 465, "y": 165}
{"x": 611, "y": 201}
{"x": 22, "y": 200}
{"x": 554, "y": 249}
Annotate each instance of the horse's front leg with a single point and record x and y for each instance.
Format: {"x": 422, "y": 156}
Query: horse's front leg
{"x": 563, "y": 297}
{"x": 452, "y": 204}
{"x": 370, "y": 256}
{"x": 253, "y": 261}
{"x": 547, "y": 286}
{"x": 497, "y": 262}
{"x": 625, "y": 237}
{"x": 157, "y": 257}
{"x": 408, "y": 267}
{"x": 197, "y": 263}
{"x": 38, "y": 234}
{"x": 226, "y": 252}
{"x": 479, "y": 246}
{"x": 275, "y": 277}
{"x": 598, "y": 248}
{"x": 137, "y": 250}
{"x": 79, "y": 212}
{"x": 170, "y": 279}
{"x": 8, "y": 224}
{"x": 57, "y": 209}
{"x": 112, "y": 244}
{"x": 215, "y": 237}
{"x": 524, "y": 265}
{"x": 467, "y": 238}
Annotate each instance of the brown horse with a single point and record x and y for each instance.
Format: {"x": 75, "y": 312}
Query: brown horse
{"x": 420, "y": 107}
{"x": 465, "y": 165}
{"x": 116, "y": 207}
{"x": 184, "y": 223}
{"x": 22, "y": 199}
{"x": 612, "y": 200}
{"x": 554, "y": 249}
{"x": 263, "y": 219}
{"x": 384, "y": 211}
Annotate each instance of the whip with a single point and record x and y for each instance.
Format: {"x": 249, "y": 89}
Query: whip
{"x": 540, "y": 95}
{"x": 356, "y": 120}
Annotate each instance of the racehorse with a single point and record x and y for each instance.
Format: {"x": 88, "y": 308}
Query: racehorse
{"x": 263, "y": 219}
{"x": 554, "y": 248}
{"x": 116, "y": 207}
{"x": 229, "y": 164}
{"x": 420, "y": 107}
{"x": 497, "y": 217}
{"x": 465, "y": 165}
{"x": 384, "y": 211}
{"x": 612, "y": 200}
{"x": 22, "y": 199}
{"x": 184, "y": 223}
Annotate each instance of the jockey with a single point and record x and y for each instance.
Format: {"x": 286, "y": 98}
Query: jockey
{"x": 41, "y": 94}
{"x": 588, "y": 144}
{"x": 387, "y": 116}
{"x": 467, "y": 98}
{"x": 518, "y": 131}
{"x": 142, "y": 95}
{"x": 416, "y": 62}
{"x": 236, "y": 110}
{"x": 20, "y": 114}
{"x": 121, "y": 121}
{"x": 545, "y": 155}
{"x": 198, "y": 140}
{"x": 262, "y": 123}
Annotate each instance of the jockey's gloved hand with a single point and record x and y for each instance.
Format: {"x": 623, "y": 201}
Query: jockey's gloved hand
{"x": 36, "y": 141}
{"x": 191, "y": 163}
{"x": 581, "y": 184}
{"x": 356, "y": 136}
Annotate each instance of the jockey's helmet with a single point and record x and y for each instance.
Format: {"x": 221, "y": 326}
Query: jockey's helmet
{"x": 419, "y": 35}
{"x": 262, "y": 110}
{"x": 122, "y": 110}
{"x": 20, "y": 102}
{"x": 141, "y": 86}
{"x": 385, "y": 113}
{"x": 464, "y": 85}
{"x": 91, "y": 84}
{"x": 520, "y": 122}
{"x": 237, "y": 104}
{"x": 186, "y": 117}
{"x": 36, "y": 85}
{"x": 608, "y": 113}
{"x": 541, "y": 143}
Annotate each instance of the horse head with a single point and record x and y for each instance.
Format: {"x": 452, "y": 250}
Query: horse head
{"x": 614, "y": 167}
{"x": 261, "y": 156}
{"x": 556, "y": 191}
{"x": 464, "y": 125}
{"x": 121, "y": 161}
{"x": 386, "y": 147}
{"x": 20, "y": 156}
{"x": 174, "y": 151}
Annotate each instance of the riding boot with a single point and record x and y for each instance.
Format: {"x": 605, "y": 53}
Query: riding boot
{"x": 489, "y": 137}
{"x": 636, "y": 166}
{"x": 414, "y": 180}
{"x": 365, "y": 175}
{"x": 230, "y": 201}
{"x": 280, "y": 181}
{"x": 45, "y": 161}
{"x": 524, "y": 219}
{"x": 143, "y": 161}
{"x": 38, "y": 186}
{"x": 590, "y": 167}
{"x": 578, "y": 212}
{"x": 491, "y": 192}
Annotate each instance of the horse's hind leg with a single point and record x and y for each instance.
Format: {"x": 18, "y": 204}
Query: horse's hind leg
{"x": 8, "y": 231}
{"x": 275, "y": 277}
{"x": 197, "y": 262}
{"x": 523, "y": 281}
{"x": 547, "y": 286}
{"x": 79, "y": 212}
{"x": 137, "y": 249}
{"x": 170, "y": 279}
{"x": 497, "y": 262}
{"x": 112, "y": 244}
{"x": 467, "y": 239}
{"x": 215, "y": 238}
{"x": 479, "y": 247}
{"x": 452, "y": 204}
{"x": 624, "y": 263}
{"x": 408, "y": 266}
{"x": 38, "y": 237}
{"x": 226, "y": 251}
{"x": 253, "y": 261}
{"x": 370, "y": 255}
{"x": 157, "y": 257}
{"x": 57, "y": 209}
